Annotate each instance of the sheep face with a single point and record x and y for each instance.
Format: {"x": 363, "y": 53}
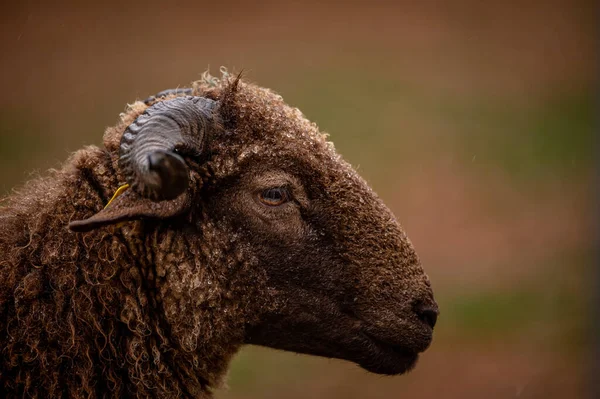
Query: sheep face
{"x": 344, "y": 280}
{"x": 338, "y": 275}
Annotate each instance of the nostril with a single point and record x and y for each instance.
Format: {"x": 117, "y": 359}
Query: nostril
{"x": 427, "y": 315}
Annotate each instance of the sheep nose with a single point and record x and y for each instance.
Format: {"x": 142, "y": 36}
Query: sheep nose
{"x": 427, "y": 314}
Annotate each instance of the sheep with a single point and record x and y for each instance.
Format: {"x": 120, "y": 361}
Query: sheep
{"x": 214, "y": 217}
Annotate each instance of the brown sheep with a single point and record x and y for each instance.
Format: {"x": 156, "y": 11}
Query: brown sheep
{"x": 241, "y": 225}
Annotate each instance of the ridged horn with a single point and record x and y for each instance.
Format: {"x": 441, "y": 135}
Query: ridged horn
{"x": 153, "y": 146}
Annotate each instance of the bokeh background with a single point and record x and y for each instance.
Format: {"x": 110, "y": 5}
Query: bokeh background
{"x": 473, "y": 120}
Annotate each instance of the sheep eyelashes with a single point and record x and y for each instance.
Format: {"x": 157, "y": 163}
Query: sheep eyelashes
{"x": 212, "y": 217}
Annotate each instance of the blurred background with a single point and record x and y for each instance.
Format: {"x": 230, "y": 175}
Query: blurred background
{"x": 473, "y": 121}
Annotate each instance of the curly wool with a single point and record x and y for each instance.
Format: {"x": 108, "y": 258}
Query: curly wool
{"x": 144, "y": 309}
{"x": 157, "y": 308}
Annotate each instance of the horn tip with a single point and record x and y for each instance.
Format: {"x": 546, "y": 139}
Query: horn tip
{"x": 172, "y": 172}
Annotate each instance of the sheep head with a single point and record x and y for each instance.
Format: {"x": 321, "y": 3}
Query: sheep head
{"x": 342, "y": 278}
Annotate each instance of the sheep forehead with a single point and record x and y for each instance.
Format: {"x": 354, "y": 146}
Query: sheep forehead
{"x": 267, "y": 126}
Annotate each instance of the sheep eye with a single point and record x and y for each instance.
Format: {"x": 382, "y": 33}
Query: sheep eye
{"x": 275, "y": 196}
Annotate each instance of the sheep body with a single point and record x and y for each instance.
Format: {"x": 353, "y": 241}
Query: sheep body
{"x": 77, "y": 314}
{"x": 154, "y": 307}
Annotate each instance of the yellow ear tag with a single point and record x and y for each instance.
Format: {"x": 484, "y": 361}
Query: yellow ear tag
{"x": 119, "y": 191}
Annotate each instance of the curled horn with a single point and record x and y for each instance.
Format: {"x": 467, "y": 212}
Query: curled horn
{"x": 153, "y": 146}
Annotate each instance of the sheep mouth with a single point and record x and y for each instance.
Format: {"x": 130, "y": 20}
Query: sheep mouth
{"x": 386, "y": 358}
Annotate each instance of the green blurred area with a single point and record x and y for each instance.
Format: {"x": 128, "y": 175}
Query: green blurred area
{"x": 474, "y": 122}
{"x": 549, "y": 135}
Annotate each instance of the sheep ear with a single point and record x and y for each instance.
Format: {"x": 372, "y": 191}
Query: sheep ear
{"x": 131, "y": 206}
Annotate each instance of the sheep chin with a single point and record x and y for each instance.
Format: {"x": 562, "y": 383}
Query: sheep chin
{"x": 388, "y": 359}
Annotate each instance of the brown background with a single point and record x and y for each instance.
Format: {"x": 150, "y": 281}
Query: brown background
{"x": 473, "y": 120}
